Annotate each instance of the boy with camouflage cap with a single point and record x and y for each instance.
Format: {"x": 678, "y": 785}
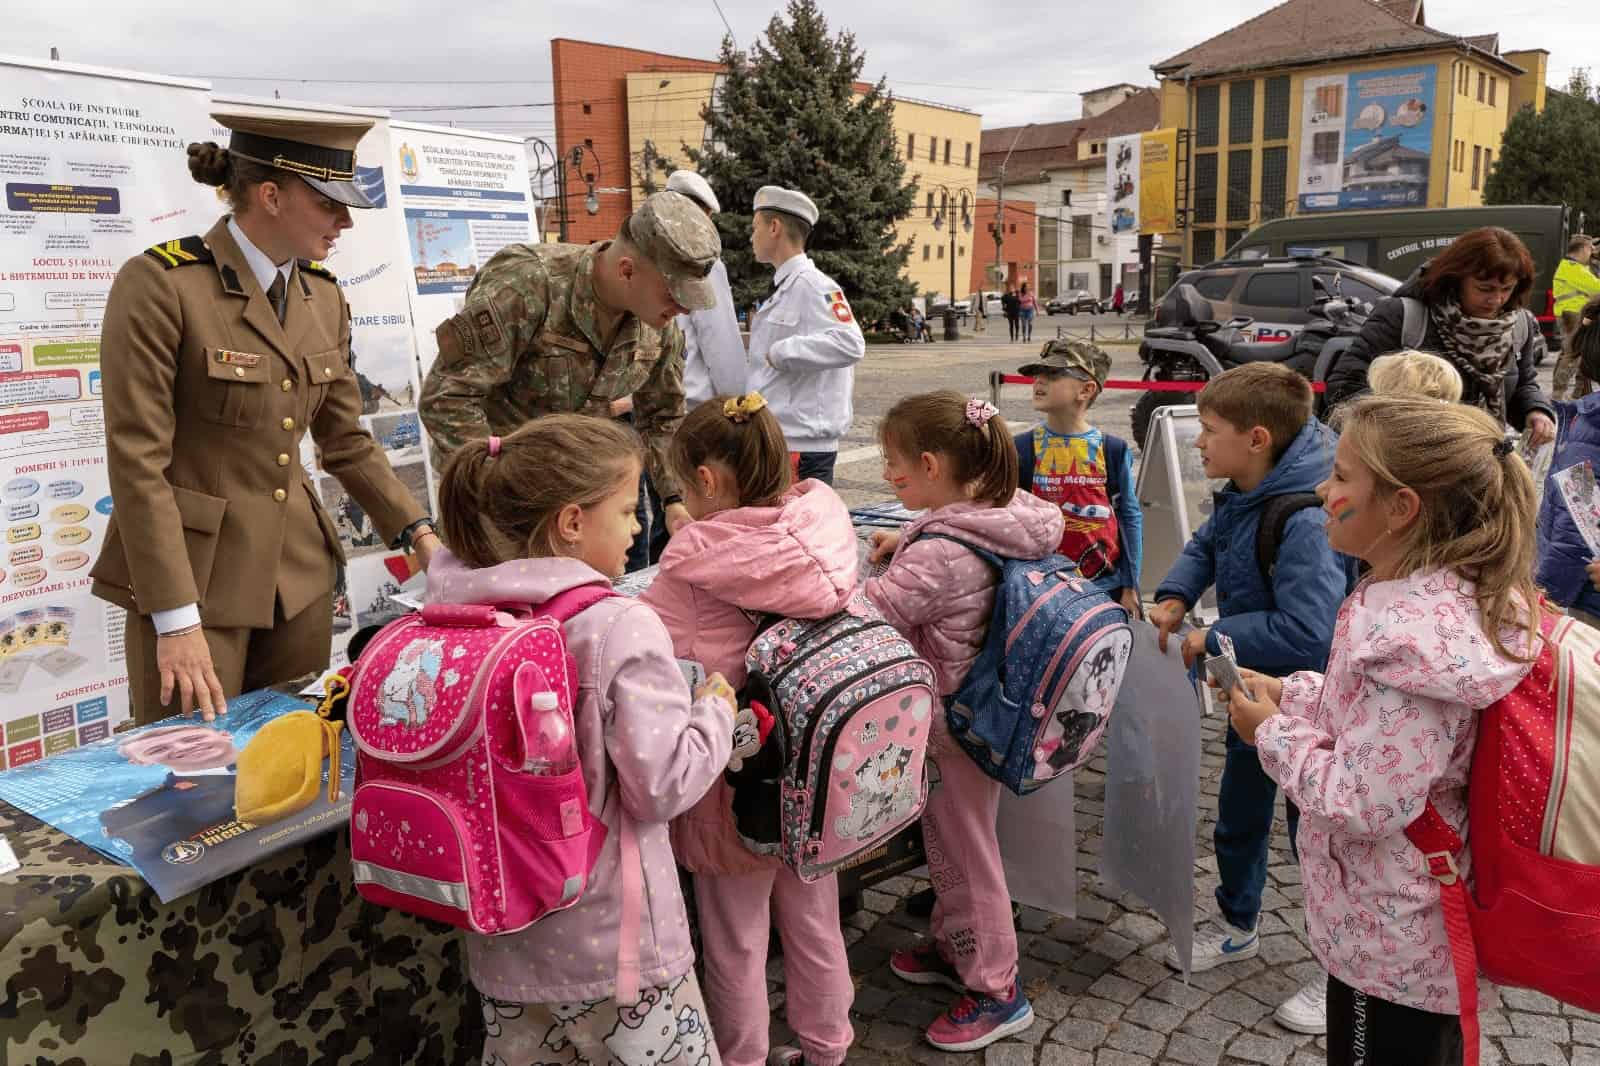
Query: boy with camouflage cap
{"x": 562, "y": 328}
{"x": 1086, "y": 472}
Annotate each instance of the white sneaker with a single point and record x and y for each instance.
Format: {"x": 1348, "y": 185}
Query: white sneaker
{"x": 1307, "y": 1010}
{"x": 1215, "y": 944}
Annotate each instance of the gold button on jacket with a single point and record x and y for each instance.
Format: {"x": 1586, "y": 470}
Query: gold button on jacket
{"x": 201, "y": 384}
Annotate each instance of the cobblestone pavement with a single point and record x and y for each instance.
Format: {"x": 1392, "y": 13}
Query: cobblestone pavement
{"x": 1101, "y": 994}
{"x": 1103, "y": 997}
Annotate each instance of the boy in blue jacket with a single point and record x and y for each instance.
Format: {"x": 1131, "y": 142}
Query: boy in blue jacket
{"x": 1257, "y": 431}
{"x": 1567, "y": 569}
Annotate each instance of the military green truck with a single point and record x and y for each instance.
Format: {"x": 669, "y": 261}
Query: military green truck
{"x": 1397, "y": 242}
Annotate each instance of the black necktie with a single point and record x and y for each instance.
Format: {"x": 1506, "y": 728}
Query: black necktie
{"x": 277, "y": 294}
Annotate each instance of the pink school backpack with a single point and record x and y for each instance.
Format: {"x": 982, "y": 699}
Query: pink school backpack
{"x": 843, "y": 769}
{"x": 448, "y": 821}
{"x": 1531, "y": 916}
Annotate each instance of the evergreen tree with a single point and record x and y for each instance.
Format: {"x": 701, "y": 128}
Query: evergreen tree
{"x": 787, "y": 113}
{"x": 1553, "y": 157}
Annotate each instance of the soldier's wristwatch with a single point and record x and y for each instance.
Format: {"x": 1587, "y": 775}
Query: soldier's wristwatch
{"x": 408, "y": 537}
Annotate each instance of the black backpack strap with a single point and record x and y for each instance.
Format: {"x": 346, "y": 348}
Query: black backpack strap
{"x": 1025, "y": 459}
{"x": 1275, "y": 514}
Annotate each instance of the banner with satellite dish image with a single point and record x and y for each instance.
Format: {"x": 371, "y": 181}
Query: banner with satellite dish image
{"x": 1366, "y": 139}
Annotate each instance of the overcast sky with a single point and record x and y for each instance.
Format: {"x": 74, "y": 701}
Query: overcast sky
{"x": 1013, "y": 62}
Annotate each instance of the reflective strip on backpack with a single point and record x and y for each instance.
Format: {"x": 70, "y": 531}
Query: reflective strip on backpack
{"x": 449, "y": 893}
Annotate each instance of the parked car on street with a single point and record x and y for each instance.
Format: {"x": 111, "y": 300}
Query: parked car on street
{"x": 1074, "y": 301}
{"x": 1275, "y": 293}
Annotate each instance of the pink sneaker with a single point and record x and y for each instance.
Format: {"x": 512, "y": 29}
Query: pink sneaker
{"x": 976, "y": 1021}
{"x": 926, "y": 965}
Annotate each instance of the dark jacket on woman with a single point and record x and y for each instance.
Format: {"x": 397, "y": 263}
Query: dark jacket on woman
{"x": 1011, "y": 305}
{"x": 1381, "y": 335}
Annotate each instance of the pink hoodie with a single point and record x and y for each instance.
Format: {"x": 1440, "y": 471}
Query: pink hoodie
{"x": 645, "y": 749}
{"x": 1360, "y": 750}
{"x": 940, "y": 595}
{"x": 718, "y": 576}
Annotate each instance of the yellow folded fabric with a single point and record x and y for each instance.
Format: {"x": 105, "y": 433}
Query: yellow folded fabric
{"x": 280, "y": 770}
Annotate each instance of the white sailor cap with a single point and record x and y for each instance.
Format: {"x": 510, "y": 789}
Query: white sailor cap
{"x": 695, "y": 188}
{"x": 788, "y": 202}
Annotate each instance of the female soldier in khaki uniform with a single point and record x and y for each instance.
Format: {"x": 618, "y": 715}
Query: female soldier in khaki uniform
{"x": 218, "y": 354}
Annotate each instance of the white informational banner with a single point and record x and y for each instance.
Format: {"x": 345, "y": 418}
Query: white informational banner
{"x": 371, "y": 264}
{"x": 93, "y": 168}
{"x": 1123, "y": 159}
{"x": 463, "y": 196}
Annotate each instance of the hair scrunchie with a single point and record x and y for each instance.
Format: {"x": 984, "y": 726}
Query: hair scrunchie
{"x": 979, "y": 412}
{"x": 741, "y": 409}
{"x": 494, "y": 446}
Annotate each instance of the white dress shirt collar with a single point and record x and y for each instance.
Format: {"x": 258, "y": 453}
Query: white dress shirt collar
{"x": 260, "y": 264}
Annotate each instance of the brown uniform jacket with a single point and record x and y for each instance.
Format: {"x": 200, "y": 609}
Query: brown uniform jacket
{"x": 206, "y": 399}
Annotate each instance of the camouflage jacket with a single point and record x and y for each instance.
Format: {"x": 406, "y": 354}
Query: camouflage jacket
{"x": 526, "y": 344}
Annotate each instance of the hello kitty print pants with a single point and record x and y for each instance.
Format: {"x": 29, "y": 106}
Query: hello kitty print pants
{"x": 668, "y": 1025}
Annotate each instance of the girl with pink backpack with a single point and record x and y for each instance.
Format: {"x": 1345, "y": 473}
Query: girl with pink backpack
{"x": 1433, "y": 498}
{"x": 758, "y": 546}
{"x": 527, "y": 518}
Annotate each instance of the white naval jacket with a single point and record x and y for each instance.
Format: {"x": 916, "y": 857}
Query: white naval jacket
{"x": 714, "y": 360}
{"x": 804, "y": 346}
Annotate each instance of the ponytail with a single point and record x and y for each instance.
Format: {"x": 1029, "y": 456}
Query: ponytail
{"x": 742, "y": 434}
{"x": 498, "y": 507}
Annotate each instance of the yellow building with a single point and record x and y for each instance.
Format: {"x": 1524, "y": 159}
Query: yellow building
{"x": 940, "y": 145}
{"x": 1328, "y": 105}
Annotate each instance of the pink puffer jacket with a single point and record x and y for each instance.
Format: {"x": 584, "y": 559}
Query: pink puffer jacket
{"x": 940, "y": 595}
{"x": 718, "y": 576}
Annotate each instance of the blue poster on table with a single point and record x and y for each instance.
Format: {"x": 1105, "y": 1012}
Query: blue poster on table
{"x": 160, "y": 798}
{"x": 1366, "y": 139}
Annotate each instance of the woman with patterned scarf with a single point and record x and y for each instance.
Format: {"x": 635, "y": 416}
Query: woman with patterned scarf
{"x": 1473, "y": 293}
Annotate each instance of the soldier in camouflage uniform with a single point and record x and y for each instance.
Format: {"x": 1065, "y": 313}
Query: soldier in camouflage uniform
{"x": 558, "y": 328}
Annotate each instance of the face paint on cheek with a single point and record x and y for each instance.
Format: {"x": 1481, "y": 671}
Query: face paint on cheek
{"x": 1341, "y": 511}
{"x": 899, "y": 482}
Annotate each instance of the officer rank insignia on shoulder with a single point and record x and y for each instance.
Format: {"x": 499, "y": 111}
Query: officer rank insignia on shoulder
{"x": 181, "y": 252}
{"x": 318, "y": 269}
{"x": 838, "y": 305}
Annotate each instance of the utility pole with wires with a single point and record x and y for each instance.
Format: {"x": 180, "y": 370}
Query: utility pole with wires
{"x": 1000, "y": 208}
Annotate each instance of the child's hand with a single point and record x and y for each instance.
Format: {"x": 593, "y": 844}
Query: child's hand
{"x": 883, "y": 542}
{"x": 1129, "y": 598}
{"x": 1166, "y": 616}
{"x": 717, "y": 685}
{"x": 1194, "y": 645}
{"x": 1246, "y": 714}
{"x": 1593, "y": 570}
{"x": 1264, "y": 686}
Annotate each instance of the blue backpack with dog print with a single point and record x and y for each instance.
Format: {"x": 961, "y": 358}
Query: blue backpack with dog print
{"x": 1036, "y": 701}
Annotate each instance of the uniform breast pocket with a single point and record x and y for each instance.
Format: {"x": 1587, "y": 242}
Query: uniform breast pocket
{"x": 324, "y": 370}
{"x": 236, "y": 391}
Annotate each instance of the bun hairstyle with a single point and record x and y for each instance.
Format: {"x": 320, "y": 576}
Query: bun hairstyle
{"x": 742, "y": 434}
{"x": 1477, "y": 513}
{"x": 498, "y": 507}
{"x": 232, "y": 176}
{"x": 968, "y": 433}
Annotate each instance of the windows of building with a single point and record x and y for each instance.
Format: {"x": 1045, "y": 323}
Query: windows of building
{"x": 911, "y": 145}
{"x": 1241, "y": 111}
{"x": 1239, "y": 185}
{"x": 941, "y": 251}
{"x": 1492, "y": 80}
{"x": 933, "y": 149}
{"x": 1205, "y": 246}
{"x": 1205, "y": 187}
{"x": 1275, "y": 115}
{"x": 1488, "y": 157}
{"x": 1077, "y": 281}
{"x": 1477, "y": 161}
{"x": 927, "y": 252}
{"x": 1274, "y": 182}
{"x": 1049, "y": 239}
{"x": 1207, "y": 120}
{"x": 1482, "y": 80}
{"x": 930, "y": 205}
{"x": 1082, "y": 237}
{"x": 947, "y": 151}
{"x": 1066, "y": 197}
{"x": 969, "y": 154}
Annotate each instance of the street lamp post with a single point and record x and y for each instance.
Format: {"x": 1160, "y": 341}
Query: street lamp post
{"x": 542, "y": 148}
{"x": 947, "y": 205}
{"x": 1000, "y": 204}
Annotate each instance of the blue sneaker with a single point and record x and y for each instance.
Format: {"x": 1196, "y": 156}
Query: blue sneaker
{"x": 1216, "y": 944}
{"x": 976, "y": 1021}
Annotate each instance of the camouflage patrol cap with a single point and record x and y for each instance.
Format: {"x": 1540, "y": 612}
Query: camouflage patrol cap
{"x": 1082, "y": 357}
{"x": 674, "y": 233}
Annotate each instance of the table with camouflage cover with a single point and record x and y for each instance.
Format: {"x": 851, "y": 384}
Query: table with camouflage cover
{"x": 278, "y": 964}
